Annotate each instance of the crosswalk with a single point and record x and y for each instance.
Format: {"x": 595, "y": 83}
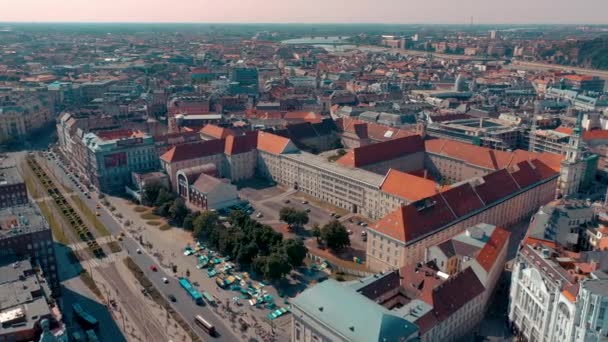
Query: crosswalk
{"x": 105, "y": 261}
{"x": 83, "y": 245}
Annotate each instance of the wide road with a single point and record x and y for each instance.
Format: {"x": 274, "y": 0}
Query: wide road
{"x": 184, "y": 304}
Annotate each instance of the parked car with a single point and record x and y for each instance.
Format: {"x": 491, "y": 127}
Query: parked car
{"x": 165, "y": 280}
{"x": 138, "y": 251}
{"x": 154, "y": 268}
{"x": 172, "y": 298}
{"x": 259, "y": 215}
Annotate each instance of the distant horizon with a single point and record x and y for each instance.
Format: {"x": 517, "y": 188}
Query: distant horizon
{"x": 394, "y": 12}
{"x": 297, "y": 23}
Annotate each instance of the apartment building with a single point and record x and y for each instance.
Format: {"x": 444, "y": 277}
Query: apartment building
{"x": 113, "y": 155}
{"x": 25, "y": 234}
{"x": 17, "y": 120}
{"x": 12, "y": 187}
{"x": 557, "y": 295}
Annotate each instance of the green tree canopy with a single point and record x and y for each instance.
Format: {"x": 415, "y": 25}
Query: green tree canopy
{"x": 150, "y": 193}
{"x": 178, "y": 211}
{"x": 204, "y": 224}
{"x": 295, "y": 251}
{"x": 335, "y": 235}
{"x": 292, "y": 216}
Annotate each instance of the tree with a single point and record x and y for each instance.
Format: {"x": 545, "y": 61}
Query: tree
{"x": 316, "y": 232}
{"x": 335, "y": 235}
{"x": 266, "y": 238}
{"x": 164, "y": 196}
{"x": 150, "y": 193}
{"x": 246, "y": 253}
{"x": 295, "y": 251}
{"x": 178, "y": 211}
{"x": 204, "y": 224}
{"x": 163, "y": 209}
{"x": 277, "y": 266}
{"x": 292, "y": 216}
{"x": 259, "y": 264}
{"x": 188, "y": 223}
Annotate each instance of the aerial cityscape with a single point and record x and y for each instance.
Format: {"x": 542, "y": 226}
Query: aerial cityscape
{"x": 256, "y": 171}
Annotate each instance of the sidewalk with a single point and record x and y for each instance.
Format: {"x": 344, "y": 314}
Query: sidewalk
{"x": 168, "y": 247}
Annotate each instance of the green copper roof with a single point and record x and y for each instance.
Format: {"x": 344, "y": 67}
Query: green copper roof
{"x": 352, "y": 315}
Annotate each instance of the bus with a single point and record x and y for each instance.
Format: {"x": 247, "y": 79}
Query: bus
{"x": 196, "y": 296}
{"x": 208, "y": 327}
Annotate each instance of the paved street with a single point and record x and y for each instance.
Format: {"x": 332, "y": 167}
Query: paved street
{"x": 184, "y": 304}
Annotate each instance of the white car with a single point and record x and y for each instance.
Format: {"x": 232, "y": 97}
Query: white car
{"x": 165, "y": 280}
{"x": 259, "y": 215}
{"x": 138, "y": 251}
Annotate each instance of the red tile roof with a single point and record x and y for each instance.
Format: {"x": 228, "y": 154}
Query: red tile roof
{"x": 524, "y": 174}
{"x": 455, "y": 293}
{"x": 462, "y": 199}
{"x": 183, "y": 152}
{"x": 216, "y": 132}
{"x": 241, "y": 144}
{"x": 495, "y": 186}
{"x": 271, "y": 143}
{"x": 407, "y": 186}
{"x": 383, "y": 151}
{"x": 311, "y": 117}
{"x": 490, "y": 251}
{"x": 416, "y": 219}
{"x": 485, "y": 157}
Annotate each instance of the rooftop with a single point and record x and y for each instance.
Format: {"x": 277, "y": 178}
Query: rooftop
{"x": 22, "y": 297}
{"x": 319, "y": 162}
{"x": 23, "y": 219}
{"x": 351, "y": 315}
{"x": 9, "y": 175}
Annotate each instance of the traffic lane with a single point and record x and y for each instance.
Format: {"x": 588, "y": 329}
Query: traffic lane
{"x": 184, "y": 304}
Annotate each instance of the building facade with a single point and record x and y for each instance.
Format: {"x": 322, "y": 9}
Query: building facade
{"x": 25, "y": 234}
{"x": 112, "y": 156}
{"x": 12, "y": 187}
{"x": 558, "y": 297}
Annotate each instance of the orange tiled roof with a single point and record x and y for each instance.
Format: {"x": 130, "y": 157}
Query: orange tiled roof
{"x": 215, "y": 131}
{"x": 425, "y": 216}
{"x": 594, "y": 134}
{"x": 183, "y": 152}
{"x": 490, "y": 251}
{"x": 382, "y": 151}
{"x": 311, "y": 117}
{"x": 408, "y": 186}
{"x": 272, "y": 143}
{"x": 579, "y": 78}
{"x": 486, "y": 157}
{"x": 569, "y": 296}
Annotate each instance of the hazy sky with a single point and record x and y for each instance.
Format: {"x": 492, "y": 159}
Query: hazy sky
{"x": 308, "y": 11}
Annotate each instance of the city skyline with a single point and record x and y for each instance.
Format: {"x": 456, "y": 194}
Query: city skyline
{"x": 275, "y": 11}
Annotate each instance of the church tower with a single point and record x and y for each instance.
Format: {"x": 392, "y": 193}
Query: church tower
{"x": 573, "y": 166}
